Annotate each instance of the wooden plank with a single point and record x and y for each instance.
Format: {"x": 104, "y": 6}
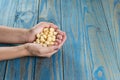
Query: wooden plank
{"x": 100, "y": 48}
{"x": 112, "y": 13}
{"x": 2, "y": 69}
{"x": 6, "y": 7}
{"x": 93, "y": 53}
{"x": 49, "y": 68}
{"x": 25, "y": 16}
{"x": 74, "y": 49}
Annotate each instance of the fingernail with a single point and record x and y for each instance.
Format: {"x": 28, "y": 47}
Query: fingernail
{"x": 55, "y": 47}
{"x": 63, "y": 32}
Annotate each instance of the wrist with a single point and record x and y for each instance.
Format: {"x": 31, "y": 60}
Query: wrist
{"x": 23, "y": 36}
{"x": 26, "y": 51}
{"x": 26, "y": 36}
{"x": 29, "y": 36}
{"x": 22, "y": 51}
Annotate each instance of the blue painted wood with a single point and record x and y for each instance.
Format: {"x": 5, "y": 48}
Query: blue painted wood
{"x": 100, "y": 33}
{"x": 2, "y": 69}
{"x": 7, "y": 20}
{"x": 74, "y": 48}
{"x": 50, "y": 68}
{"x": 91, "y": 51}
{"x": 93, "y": 39}
{"x": 24, "y": 15}
{"x": 112, "y": 13}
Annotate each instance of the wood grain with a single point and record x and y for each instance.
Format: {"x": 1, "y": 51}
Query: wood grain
{"x": 112, "y": 13}
{"x": 92, "y": 41}
{"x": 49, "y": 68}
{"x": 74, "y": 48}
{"x": 91, "y": 51}
{"x": 2, "y": 69}
{"x": 7, "y": 20}
{"x": 100, "y": 31}
{"x": 25, "y": 16}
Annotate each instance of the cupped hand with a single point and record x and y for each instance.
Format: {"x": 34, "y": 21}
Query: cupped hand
{"x": 61, "y": 37}
{"x": 37, "y": 50}
{"x": 37, "y": 29}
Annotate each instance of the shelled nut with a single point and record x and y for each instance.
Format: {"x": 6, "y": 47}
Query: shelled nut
{"x": 47, "y": 37}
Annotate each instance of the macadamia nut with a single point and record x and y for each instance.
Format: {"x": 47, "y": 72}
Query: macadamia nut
{"x": 47, "y": 37}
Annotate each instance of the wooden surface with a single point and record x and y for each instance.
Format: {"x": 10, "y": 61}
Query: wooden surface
{"x": 92, "y": 49}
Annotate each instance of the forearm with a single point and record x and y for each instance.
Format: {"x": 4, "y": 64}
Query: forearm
{"x": 13, "y": 35}
{"x": 13, "y": 52}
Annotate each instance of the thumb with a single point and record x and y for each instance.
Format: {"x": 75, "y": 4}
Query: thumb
{"x": 52, "y": 48}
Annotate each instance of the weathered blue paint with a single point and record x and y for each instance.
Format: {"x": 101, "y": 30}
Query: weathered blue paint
{"x": 99, "y": 74}
{"x": 2, "y": 69}
{"x": 19, "y": 15}
{"x": 91, "y": 51}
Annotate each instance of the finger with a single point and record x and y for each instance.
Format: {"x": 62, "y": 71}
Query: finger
{"x": 53, "y": 26}
{"x": 46, "y": 25}
{"x": 43, "y": 24}
{"x": 58, "y": 41}
{"x": 50, "y": 54}
{"x": 60, "y": 32}
{"x": 51, "y": 49}
{"x": 59, "y": 37}
{"x": 56, "y": 44}
{"x": 56, "y": 26}
{"x": 39, "y": 27}
{"x": 64, "y": 39}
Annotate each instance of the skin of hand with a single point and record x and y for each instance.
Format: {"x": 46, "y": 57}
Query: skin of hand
{"x": 40, "y": 51}
{"x": 36, "y": 49}
{"x": 27, "y": 37}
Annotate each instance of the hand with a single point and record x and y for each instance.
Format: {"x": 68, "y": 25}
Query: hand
{"x": 37, "y": 29}
{"x": 34, "y": 49}
{"x": 61, "y": 37}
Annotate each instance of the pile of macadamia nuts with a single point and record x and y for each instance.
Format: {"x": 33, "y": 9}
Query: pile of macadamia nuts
{"x": 47, "y": 37}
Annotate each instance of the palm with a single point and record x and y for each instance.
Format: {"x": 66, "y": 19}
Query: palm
{"x": 36, "y": 29}
{"x": 39, "y": 27}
